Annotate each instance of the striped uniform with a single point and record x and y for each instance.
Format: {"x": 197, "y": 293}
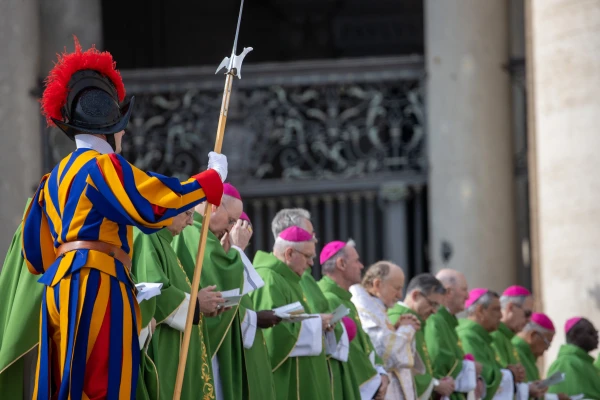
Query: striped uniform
{"x": 90, "y": 319}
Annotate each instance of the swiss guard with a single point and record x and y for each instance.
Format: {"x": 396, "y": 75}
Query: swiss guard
{"x": 77, "y": 233}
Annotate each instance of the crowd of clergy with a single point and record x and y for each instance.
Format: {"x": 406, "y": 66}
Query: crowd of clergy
{"x": 391, "y": 344}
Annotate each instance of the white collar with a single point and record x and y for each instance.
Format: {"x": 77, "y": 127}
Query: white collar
{"x": 87, "y": 141}
{"x": 378, "y": 301}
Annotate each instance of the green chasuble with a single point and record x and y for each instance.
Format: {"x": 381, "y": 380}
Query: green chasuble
{"x": 226, "y": 271}
{"x": 359, "y": 366}
{"x": 444, "y": 347}
{"x": 505, "y": 351}
{"x": 295, "y": 377}
{"x": 478, "y": 342}
{"x": 20, "y": 301}
{"x": 313, "y": 295}
{"x": 581, "y": 377}
{"x": 342, "y": 382}
{"x": 597, "y": 363}
{"x": 527, "y": 359}
{"x": 422, "y": 381}
{"x": 155, "y": 261}
{"x": 257, "y": 363}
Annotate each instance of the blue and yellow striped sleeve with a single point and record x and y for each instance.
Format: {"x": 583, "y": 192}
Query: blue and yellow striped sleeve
{"x": 149, "y": 200}
{"x": 37, "y": 242}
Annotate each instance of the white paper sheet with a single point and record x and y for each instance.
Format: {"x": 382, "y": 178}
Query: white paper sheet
{"x": 147, "y": 290}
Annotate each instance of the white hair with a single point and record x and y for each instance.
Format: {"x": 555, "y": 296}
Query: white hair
{"x": 282, "y": 245}
{"x": 532, "y": 326}
{"x": 506, "y": 300}
{"x": 329, "y": 265}
{"x": 288, "y": 217}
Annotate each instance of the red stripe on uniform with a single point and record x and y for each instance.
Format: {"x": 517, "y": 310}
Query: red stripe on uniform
{"x": 117, "y": 164}
{"x": 96, "y": 370}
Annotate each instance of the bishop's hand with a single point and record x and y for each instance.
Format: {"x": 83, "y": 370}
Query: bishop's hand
{"x": 385, "y": 381}
{"x": 240, "y": 234}
{"x": 518, "y": 372}
{"x": 535, "y": 391}
{"x": 267, "y": 319}
{"x": 446, "y": 386}
{"x": 210, "y": 301}
{"x": 408, "y": 320}
{"x": 326, "y": 320}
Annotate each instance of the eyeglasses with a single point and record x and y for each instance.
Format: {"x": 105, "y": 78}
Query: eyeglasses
{"x": 231, "y": 221}
{"x": 546, "y": 341}
{"x": 435, "y": 305}
{"x": 527, "y": 313}
{"x": 307, "y": 256}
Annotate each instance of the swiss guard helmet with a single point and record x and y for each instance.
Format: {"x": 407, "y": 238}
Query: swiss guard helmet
{"x": 83, "y": 94}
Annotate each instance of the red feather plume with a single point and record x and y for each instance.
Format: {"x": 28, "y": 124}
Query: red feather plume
{"x": 57, "y": 82}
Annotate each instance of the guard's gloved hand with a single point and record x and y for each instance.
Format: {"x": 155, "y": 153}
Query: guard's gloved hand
{"x": 218, "y": 162}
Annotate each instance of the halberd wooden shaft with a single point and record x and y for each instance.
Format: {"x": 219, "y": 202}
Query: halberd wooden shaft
{"x": 201, "y": 247}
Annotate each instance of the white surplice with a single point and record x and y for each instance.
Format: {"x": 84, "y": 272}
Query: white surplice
{"x": 396, "y": 347}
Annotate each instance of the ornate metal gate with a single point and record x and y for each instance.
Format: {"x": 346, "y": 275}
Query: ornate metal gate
{"x": 344, "y": 139}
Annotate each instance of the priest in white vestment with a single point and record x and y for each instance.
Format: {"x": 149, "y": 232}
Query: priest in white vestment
{"x": 381, "y": 288}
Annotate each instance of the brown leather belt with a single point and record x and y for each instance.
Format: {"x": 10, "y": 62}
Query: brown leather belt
{"x": 111, "y": 250}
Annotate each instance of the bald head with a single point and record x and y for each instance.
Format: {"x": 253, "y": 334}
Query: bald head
{"x": 457, "y": 289}
{"x": 450, "y": 277}
{"x": 224, "y": 216}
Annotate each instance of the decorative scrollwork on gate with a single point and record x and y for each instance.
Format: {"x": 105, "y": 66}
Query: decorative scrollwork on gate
{"x": 284, "y": 132}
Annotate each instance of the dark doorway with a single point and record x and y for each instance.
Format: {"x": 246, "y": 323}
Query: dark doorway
{"x": 162, "y": 34}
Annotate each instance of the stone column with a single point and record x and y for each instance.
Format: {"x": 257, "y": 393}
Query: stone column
{"x": 395, "y": 233}
{"x": 20, "y": 147}
{"x": 471, "y": 192}
{"x": 564, "y": 70}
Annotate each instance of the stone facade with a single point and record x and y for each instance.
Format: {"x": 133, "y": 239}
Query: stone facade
{"x": 564, "y": 64}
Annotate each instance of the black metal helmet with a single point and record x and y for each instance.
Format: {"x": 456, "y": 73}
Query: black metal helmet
{"x": 93, "y": 106}
{"x": 83, "y": 94}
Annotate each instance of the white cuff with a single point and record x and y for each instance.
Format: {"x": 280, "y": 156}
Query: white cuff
{"x": 522, "y": 391}
{"x": 427, "y": 394}
{"x": 249, "y": 325}
{"x": 252, "y": 280}
{"x": 310, "y": 339}
{"x": 144, "y": 336}
{"x": 506, "y": 389}
{"x": 177, "y": 319}
{"x": 369, "y": 389}
{"x": 550, "y": 396}
{"x": 381, "y": 370}
{"x": 340, "y": 350}
{"x": 217, "y": 378}
{"x": 467, "y": 378}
